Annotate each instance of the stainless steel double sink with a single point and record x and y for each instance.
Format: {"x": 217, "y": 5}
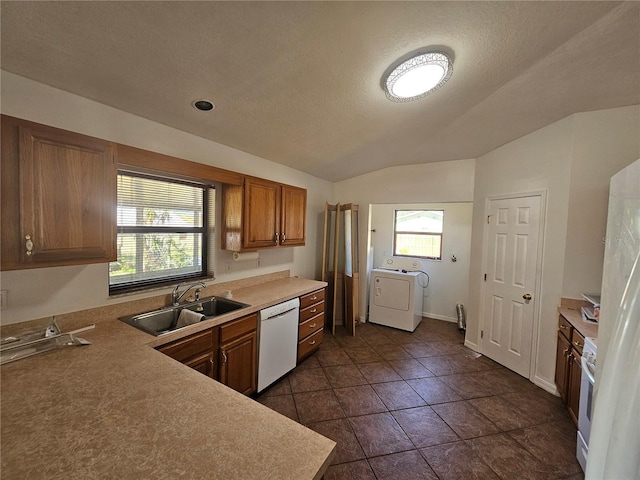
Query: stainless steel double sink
{"x": 165, "y": 320}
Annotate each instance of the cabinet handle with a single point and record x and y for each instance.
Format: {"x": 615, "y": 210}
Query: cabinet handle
{"x": 276, "y": 238}
{"x": 28, "y": 244}
{"x": 312, "y": 342}
{"x": 313, "y": 325}
{"x": 566, "y": 352}
{"x": 313, "y": 311}
{"x": 284, "y": 237}
{"x": 314, "y": 298}
{"x": 224, "y": 357}
{"x": 563, "y": 327}
{"x": 578, "y": 344}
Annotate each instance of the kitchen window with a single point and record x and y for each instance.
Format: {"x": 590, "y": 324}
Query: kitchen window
{"x": 165, "y": 228}
{"x": 418, "y": 233}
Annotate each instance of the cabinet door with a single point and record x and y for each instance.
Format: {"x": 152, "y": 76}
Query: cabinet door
{"x": 575, "y": 378}
{"x": 196, "y": 351}
{"x": 293, "y": 214}
{"x": 203, "y": 364}
{"x": 563, "y": 350}
{"x": 238, "y": 364}
{"x": 67, "y": 197}
{"x": 261, "y": 223}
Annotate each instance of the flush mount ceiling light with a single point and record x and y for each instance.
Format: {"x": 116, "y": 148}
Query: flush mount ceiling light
{"x": 203, "y": 105}
{"x": 418, "y": 76}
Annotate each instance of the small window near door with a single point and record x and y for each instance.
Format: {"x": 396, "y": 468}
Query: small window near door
{"x": 164, "y": 232}
{"x": 418, "y": 233}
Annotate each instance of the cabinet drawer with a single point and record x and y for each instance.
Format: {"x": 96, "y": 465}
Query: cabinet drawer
{"x": 310, "y": 326}
{"x": 189, "y": 347}
{"x": 565, "y": 327}
{"x": 311, "y": 298}
{"x": 312, "y": 311}
{"x": 309, "y": 344}
{"x": 577, "y": 341}
{"x": 239, "y": 327}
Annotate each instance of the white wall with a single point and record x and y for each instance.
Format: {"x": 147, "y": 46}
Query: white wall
{"x": 559, "y": 159}
{"x": 424, "y": 183}
{"x": 449, "y": 281}
{"x": 49, "y": 291}
{"x": 603, "y": 144}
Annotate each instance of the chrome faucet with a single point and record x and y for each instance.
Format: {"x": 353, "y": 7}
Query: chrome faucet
{"x": 175, "y": 297}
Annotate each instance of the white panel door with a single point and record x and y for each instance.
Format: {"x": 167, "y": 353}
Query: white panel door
{"x": 511, "y": 280}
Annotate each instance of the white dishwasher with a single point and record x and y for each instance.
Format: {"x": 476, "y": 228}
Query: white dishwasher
{"x": 278, "y": 348}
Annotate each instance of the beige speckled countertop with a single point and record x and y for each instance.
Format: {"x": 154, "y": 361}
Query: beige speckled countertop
{"x": 120, "y": 409}
{"x": 570, "y": 310}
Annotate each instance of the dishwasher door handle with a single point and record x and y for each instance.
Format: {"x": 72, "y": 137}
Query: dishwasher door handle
{"x": 280, "y": 315}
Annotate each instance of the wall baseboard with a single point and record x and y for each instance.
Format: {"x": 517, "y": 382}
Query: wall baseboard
{"x": 435, "y": 316}
{"x": 546, "y": 385}
{"x": 471, "y": 345}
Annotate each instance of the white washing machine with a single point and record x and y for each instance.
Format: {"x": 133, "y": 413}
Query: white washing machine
{"x": 395, "y": 299}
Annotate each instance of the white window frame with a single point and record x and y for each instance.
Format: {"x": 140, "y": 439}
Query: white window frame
{"x": 427, "y": 233}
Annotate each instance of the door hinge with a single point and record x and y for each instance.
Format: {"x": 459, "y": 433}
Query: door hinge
{"x": 485, "y": 277}
{"x": 481, "y": 333}
{"x": 488, "y": 217}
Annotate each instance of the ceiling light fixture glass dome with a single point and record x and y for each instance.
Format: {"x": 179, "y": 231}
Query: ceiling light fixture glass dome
{"x": 418, "y": 76}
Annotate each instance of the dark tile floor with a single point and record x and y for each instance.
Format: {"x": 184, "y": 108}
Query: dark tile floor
{"x": 422, "y": 406}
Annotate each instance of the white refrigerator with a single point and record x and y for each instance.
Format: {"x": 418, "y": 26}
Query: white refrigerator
{"x": 614, "y": 445}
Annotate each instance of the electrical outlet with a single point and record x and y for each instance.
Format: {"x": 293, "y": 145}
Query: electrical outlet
{"x": 258, "y": 263}
{"x": 3, "y": 300}
{"x": 227, "y": 267}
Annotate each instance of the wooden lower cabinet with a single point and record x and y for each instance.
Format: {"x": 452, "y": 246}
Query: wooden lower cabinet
{"x": 238, "y": 364}
{"x": 311, "y": 326}
{"x": 238, "y": 354}
{"x": 575, "y": 378}
{"x": 563, "y": 350}
{"x": 196, "y": 351}
{"x": 569, "y": 366}
{"x": 204, "y": 365}
{"x": 228, "y": 353}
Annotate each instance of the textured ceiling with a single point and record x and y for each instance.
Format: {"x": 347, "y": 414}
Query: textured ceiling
{"x": 299, "y": 83}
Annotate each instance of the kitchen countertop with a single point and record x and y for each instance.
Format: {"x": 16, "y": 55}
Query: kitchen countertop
{"x": 120, "y": 409}
{"x": 574, "y": 317}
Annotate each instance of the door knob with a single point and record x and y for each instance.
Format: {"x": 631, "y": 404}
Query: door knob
{"x": 527, "y": 296}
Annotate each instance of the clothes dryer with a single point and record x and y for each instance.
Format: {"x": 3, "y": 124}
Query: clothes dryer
{"x": 395, "y": 299}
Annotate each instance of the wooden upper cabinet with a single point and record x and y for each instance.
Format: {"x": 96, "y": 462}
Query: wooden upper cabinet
{"x": 261, "y": 224}
{"x": 263, "y": 214}
{"x": 58, "y": 197}
{"x": 293, "y": 216}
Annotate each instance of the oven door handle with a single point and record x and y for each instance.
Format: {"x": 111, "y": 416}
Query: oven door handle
{"x": 587, "y": 369}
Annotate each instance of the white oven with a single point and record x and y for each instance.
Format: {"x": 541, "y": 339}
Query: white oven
{"x": 586, "y": 399}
